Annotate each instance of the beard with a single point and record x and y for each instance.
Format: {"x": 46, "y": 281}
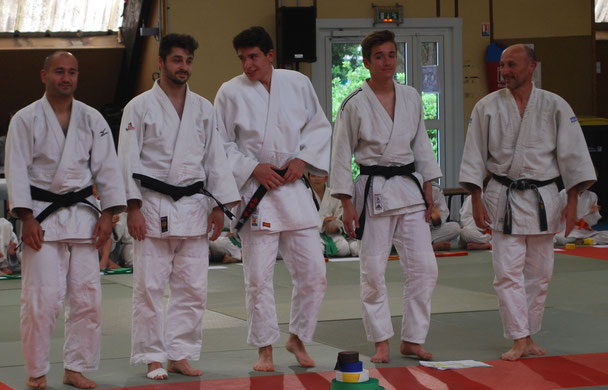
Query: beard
{"x": 173, "y": 78}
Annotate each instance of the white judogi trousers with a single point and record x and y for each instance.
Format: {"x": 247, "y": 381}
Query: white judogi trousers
{"x": 61, "y": 271}
{"x": 183, "y": 263}
{"x": 523, "y": 266}
{"x": 411, "y": 237}
{"x": 303, "y": 256}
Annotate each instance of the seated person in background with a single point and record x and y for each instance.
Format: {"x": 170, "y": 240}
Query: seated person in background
{"x": 122, "y": 243}
{"x": 10, "y": 258}
{"x": 227, "y": 248}
{"x": 472, "y": 236}
{"x": 587, "y": 215}
{"x": 118, "y": 251}
{"x": 442, "y": 232}
{"x": 334, "y": 242}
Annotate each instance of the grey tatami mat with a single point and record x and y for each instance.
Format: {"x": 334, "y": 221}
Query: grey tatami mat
{"x": 465, "y": 323}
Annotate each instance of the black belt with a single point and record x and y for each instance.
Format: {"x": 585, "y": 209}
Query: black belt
{"x": 60, "y": 200}
{"x": 524, "y": 184}
{"x": 387, "y": 172}
{"x": 177, "y": 192}
{"x": 254, "y": 201}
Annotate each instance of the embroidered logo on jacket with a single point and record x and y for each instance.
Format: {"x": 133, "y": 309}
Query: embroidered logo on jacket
{"x": 573, "y": 119}
{"x": 103, "y": 132}
{"x": 130, "y": 127}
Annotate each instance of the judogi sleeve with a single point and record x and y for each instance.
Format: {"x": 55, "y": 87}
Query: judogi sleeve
{"x": 573, "y": 157}
{"x": 424, "y": 158}
{"x": 226, "y": 109}
{"x": 18, "y": 158}
{"x": 474, "y": 156}
{"x": 316, "y": 134}
{"x": 345, "y": 139}
{"x": 105, "y": 167}
{"x": 219, "y": 178}
{"x": 130, "y": 142}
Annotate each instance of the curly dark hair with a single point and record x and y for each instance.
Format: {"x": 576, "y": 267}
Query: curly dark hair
{"x": 169, "y": 41}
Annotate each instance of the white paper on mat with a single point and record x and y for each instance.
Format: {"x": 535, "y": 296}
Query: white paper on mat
{"x": 454, "y": 364}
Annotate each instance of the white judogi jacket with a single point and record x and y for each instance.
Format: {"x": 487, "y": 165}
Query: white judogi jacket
{"x": 363, "y": 127}
{"x": 155, "y": 142}
{"x": 276, "y": 127}
{"x": 546, "y": 143}
{"x": 38, "y": 153}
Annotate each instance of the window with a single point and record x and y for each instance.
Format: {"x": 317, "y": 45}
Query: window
{"x": 428, "y": 58}
{"x": 31, "y": 16}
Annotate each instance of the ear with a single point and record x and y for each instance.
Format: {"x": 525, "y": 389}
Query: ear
{"x": 161, "y": 63}
{"x": 366, "y": 63}
{"x": 270, "y": 55}
{"x": 43, "y": 76}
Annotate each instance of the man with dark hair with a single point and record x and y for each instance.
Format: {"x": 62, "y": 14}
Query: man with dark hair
{"x": 57, "y": 147}
{"x": 170, "y": 153}
{"x": 274, "y": 128}
{"x": 382, "y": 124}
{"x": 252, "y": 37}
{"x": 527, "y": 138}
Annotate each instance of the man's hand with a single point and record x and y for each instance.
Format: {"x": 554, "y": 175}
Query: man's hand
{"x": 349, "y": 217}
{"x": 266, "y": 175}
{"x": 136, "y": 223}
{"x": 103, "y": 228}
{"x": 215, "y": 221}
{"x": 569, "y": 213}
{"x": 295, "y": 170}
{"x": 31, "y": 231}
{"x": 480, "y": 214}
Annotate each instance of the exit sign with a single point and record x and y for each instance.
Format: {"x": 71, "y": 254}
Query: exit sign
{"x": 388, "y": 14}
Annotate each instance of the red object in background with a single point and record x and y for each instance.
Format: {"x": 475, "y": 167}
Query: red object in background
{"x": 493, "y": 54}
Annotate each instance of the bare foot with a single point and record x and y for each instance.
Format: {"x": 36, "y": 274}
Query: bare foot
{"x": 295, "y": 346}
{"x": 113, "y": 265}
{"x": 227, "y": 259}
{"x": 264, "y": 362}
{"x": 6, "y": 271}
{"x": 475, "y": 246}
{"x": 408, "y": 348}
{"x": 76, "y": 379}
{"x": 442, "y": 246}
{"x": 534, "y": 349}
{"x": 183, "y": 367}
{"x": 518, "y": 350}
{"x": 36, "y": 383}
{"x": 155, "y": 366}
{"x": 382, "y": 352}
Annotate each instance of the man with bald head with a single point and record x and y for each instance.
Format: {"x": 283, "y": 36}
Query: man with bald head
{"x": 526, "y": 138}
{"x": 57, "y": 148}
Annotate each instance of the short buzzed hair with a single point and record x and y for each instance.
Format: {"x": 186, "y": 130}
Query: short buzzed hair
{"x": 48, "y": 60}
{"x": 376, "y": 38}
{"x": 183, "y": 41}
{"x": 252, "y": 37}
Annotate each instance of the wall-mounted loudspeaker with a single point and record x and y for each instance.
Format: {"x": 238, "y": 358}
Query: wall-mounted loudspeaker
{"x": 296, "y": 34}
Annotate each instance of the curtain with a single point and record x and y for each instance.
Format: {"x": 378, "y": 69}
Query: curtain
{"x": 601, "y": 11}
{"x": 60, "y": 15}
